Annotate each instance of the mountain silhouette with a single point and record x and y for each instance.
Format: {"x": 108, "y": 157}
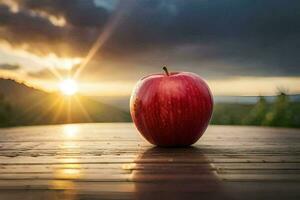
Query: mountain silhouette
{"x": 24, "y": 105}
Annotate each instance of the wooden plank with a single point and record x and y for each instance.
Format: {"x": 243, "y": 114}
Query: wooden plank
{"x": 111, "y": 161}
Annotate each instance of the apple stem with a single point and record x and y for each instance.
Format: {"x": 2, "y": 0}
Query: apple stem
{"x": 166, "y": 70}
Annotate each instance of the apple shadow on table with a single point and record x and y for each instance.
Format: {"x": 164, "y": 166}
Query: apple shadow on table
{"x": 175, "y": 173}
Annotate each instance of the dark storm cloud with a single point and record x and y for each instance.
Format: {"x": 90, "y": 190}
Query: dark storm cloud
{"x": 40, "y": 36}
{"x": 6, "y": 66}
{"x": 83, "y": 13}
{"x": 215, "y": 38}
{"x": 20, "y": 29}
{"x": 246, "y": 37}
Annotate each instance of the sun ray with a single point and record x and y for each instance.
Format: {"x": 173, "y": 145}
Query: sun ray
{"x": 83, "y": 110}
{"x": 52, "y": 70}
{"x": 30, "y": 108}
{"x": 60, "y": 106}
{"x": 104, "y": 35}
{"x": 46, "y": 110}
{"x": 69, "y": 110}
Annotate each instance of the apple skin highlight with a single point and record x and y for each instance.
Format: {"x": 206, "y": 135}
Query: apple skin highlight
{"x": 171, "y": 109}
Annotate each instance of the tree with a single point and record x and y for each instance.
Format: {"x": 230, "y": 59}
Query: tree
{"x": 258, "y": 113}
{"x": 280, "y": 113}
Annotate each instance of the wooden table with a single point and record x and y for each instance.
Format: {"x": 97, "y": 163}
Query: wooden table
{"x": 111, "y": 161}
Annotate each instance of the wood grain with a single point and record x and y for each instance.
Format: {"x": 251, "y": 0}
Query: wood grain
{"x": 111, "y": 161}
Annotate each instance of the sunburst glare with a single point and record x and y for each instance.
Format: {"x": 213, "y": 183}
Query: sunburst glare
{"x": 68, "y": 87}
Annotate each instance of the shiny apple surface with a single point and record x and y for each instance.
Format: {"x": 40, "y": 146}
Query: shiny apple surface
{"x": 171, "y": 109}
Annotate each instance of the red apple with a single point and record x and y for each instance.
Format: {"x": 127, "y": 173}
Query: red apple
{"x": 171, "y": 109}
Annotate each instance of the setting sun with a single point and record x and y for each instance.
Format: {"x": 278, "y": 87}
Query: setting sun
{"x": 68, "y": 87}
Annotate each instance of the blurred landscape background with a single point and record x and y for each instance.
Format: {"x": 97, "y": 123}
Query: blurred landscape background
{"x": 71, "y": 61}
{"x": 23, "y": 105}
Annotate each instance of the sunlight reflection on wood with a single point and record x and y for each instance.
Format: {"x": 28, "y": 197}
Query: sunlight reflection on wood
{"x": 71, "y": 130}
{"x": 110, "y": 161}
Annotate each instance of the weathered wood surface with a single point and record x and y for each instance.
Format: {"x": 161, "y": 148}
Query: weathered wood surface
{"x": 111, "y": 161}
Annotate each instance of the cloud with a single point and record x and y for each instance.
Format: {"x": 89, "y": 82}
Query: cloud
{"x": 47, "y": 73}
{"x": 42, "y": 74}
{"x": 31, "y": 33}
{"x": 6, "y": 66}
{"x": 217, "y": 39}
{"x": 75, "y": 12}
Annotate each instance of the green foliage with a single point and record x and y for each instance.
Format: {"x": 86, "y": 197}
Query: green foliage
{"x": 281, "y": 113}
{"x": 257, "y": 113}
{"x": 229, "y": 113}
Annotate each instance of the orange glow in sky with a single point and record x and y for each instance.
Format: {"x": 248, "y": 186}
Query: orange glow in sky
{"x": 68, "y": 87}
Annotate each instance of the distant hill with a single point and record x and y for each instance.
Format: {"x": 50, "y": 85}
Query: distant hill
{"x": 24, "y": 105}
{"x": 118, "y": 101}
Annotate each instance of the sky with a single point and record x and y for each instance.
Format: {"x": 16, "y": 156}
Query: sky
{"x": 240, "y": 47}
